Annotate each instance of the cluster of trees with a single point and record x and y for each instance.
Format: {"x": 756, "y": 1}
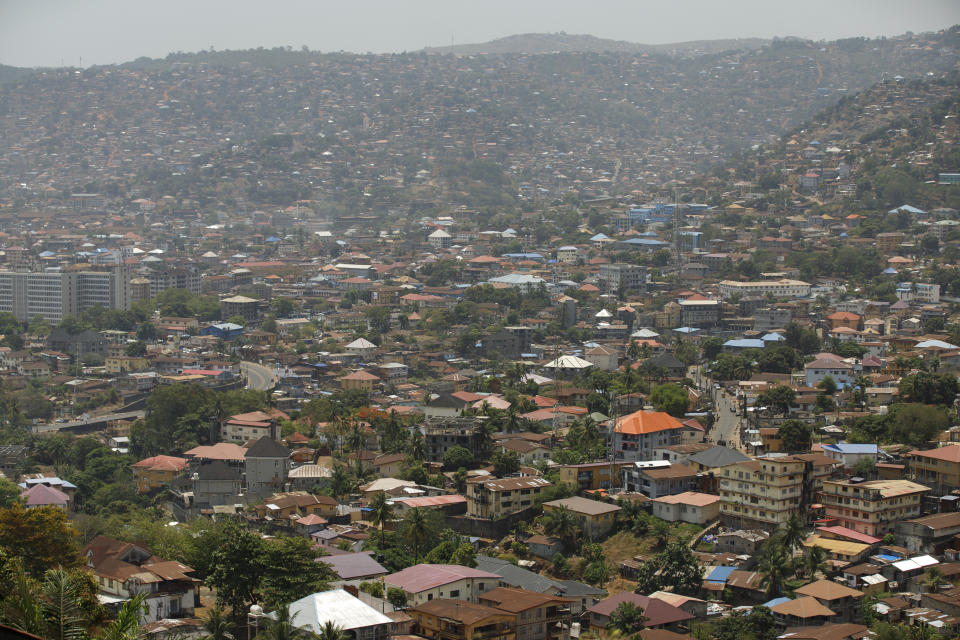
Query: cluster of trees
{"x": 180, "y": 417}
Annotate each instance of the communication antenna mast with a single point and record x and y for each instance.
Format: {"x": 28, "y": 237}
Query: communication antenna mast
{"x": 678, "y": 257}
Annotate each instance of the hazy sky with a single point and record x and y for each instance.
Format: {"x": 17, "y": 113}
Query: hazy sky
{"x": 54, "y": 32}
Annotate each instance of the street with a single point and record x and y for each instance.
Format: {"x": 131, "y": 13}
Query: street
{"x": 259, "y": 377}
{"x": 726, "y": 426}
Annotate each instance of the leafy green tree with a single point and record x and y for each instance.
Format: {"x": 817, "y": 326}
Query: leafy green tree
{"x": 464, "y": 555}
{"x": 796, "y": 436}
{"x": 778, "y": 398}
{"x": 929, "y": 388}
{"x": 865, "y": 467}
{"x": 457, "y": 457}
{"x": 42, "y": 537}
{"x": 9, "y": 493}
{"x": 803, "y": 339}
{"x": 505, "y": 463}
{"x": 675, "y": 566}
{"x": 759, "y": 624}
{"x": 916, "y": 424}
{"x": 290, "y": 571}
{"x": 828, "y": 384}
{"x": 671, "y": 398}
{"x": 780, "y": 358}
{"x": 237, "y": 568}
{"x": 397, "y": 597}
{"x": 627, "y": 618}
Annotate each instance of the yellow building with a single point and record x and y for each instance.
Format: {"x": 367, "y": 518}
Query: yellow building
{"x": 125, "y": 363}
{"x": 592, "y": 475}
{"x": 594, "y": 517}
{"x": 500, "y": 497}
{"x": 359, "y": 380}
{"x": 937, "y": 468}
{"x": 873, "y": 507}
{"x": 157, "y": 472}
{"x": 764, "y": 493}
{"x": 842, "y": 550}
{"x": 444, "y": 619}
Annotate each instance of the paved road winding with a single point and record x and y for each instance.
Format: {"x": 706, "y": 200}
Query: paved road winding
{"x": 258, "y": 376}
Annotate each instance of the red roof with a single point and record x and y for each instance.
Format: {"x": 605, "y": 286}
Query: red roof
{"x": 849, "y": 534}
{"x": 427, "y": 576}
{"x": 161, "y": 463}
{"x": 640, "y": 422}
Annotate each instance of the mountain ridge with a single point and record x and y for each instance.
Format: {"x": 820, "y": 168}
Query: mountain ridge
{"x": 534, "y": 43}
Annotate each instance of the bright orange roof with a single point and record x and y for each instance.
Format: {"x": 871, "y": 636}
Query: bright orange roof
{"x": 640, "y": 422}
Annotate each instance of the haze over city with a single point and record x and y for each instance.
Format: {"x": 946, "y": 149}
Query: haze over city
{"x": 62, "y": 32}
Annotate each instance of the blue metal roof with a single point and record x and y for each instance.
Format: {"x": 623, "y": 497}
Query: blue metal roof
{"x": 852, "y": 448}
{"x": 720, "y": 574}
{"x": 775, "y": 602}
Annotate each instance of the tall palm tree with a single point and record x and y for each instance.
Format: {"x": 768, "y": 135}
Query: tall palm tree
{"x": 417, "y": 530}
{"x": 561, "y": 523}
{"x": 127, "y": 625}
{"x": 814, "y": 560}
{"x": 380, "y": 512}
{"x": 793, "y": 533}
{"x": 52, "y": 608}
{"x": 217, "y": 625}
{"x": 773, "y": 567}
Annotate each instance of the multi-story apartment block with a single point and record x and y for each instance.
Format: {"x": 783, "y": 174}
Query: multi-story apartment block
{"x": 783, "y": 288}
{"x": 937, "y": 468}
{"x": 764, "y": 493}
{"x": 55, "y": 294}
{"x": 872, "y": 507}
{"x": 918, "y": 292}
{"x": 704, "y": 314}
{"x": 629, "y": 277}
{"x": 500, "y": 497}
{"x": 636, "y": 435}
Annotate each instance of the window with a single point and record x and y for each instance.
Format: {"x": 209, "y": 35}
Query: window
{"x": 454, "y": 593}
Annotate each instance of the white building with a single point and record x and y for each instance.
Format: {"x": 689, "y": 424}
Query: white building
{"x": 355, "y": 617}
{"x": 783, "y": 288}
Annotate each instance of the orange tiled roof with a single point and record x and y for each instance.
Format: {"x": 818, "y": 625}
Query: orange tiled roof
{"x": 640, "y": 422}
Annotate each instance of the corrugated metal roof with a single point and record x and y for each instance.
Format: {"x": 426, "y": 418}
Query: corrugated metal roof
{"x": 335, "y": 606}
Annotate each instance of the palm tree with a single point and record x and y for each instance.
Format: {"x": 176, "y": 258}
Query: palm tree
{"x": 417, "y": 530}
{"x": 815, "y": 560}
{"x": 127, "y": 624}
{"x": 279, "y": 626}
{"x": 52, "y": 608}
{"x": 217, "y": 625}
{"x": 793, "y": 533}
{"x": 773, "y": 567}
{"x": 561, "y": 522}
{"x": 932, "y": 579}
{"x": 331, "y": 631}
{"x": 743, "y": 370}
{"x": 661, "y": 532}
{"x": 380, "y": 512}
